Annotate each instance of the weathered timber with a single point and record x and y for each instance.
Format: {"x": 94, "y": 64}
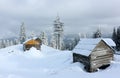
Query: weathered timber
{"x": 100, "y": 56}
{"x": 80, "y": 58}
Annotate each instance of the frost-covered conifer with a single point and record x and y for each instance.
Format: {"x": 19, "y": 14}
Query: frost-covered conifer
{"x": 22, "y": 33}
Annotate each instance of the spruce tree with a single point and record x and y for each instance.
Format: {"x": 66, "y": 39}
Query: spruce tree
{"x": 44, "y": 38}
{"x": 118, "y": 39}
{"x": 58, "y": 34}
{"x": 114, "y": 35}
{"x": 53, "y": 42}
{"x": 97, "y": 34}
{"x": 22, "y": 33}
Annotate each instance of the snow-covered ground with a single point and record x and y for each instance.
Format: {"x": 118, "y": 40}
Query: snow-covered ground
{"x": 48, "y": 63}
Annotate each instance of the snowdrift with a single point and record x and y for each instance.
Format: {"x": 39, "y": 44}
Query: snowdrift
{"x": 47, "y": 63}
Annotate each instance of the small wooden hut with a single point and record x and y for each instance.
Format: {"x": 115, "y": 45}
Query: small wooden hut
{"x": 32, "y": 43}
{"x": 94, "y": 53}
{"x": 39, "y": 40}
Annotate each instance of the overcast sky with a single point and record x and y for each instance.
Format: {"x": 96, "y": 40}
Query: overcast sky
{"x": 78, "y": 16}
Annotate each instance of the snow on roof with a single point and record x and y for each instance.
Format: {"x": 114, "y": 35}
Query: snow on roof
{"x": 109, "y": 41}
{"x": 32, "y": 42}
{"x": 85, "y": 46}
{"x": 30, "y": 39}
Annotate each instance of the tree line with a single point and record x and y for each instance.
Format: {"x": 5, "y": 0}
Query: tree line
{"x": 116, "y": 37}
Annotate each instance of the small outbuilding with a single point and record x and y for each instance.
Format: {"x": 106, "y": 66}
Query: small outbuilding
{"x": 94, "y": 53}
{"x": 39, "y": 40}
{"x": 32, "y": 43}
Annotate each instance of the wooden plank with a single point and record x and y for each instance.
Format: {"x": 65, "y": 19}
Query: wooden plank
{"x": 80, "y": 58}
{"x": 101, "y": 57}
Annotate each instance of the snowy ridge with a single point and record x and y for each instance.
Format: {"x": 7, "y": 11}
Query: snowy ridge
{"x": 47, "y": 63}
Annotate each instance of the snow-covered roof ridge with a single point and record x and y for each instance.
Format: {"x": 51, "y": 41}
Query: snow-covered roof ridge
{"x": 85, "y": 46}
{"x": 30, "y": 39}
{"x": 109, "y": 41}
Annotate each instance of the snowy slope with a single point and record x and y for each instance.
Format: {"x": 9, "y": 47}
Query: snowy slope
{"x": 47, "y": 63}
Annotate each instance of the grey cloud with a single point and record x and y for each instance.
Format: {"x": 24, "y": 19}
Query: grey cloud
{"x": 77, "y": 15}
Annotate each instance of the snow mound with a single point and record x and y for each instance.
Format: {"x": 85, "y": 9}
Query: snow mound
{"x": 33, "y": 52}
{"x": 47, "y": 63}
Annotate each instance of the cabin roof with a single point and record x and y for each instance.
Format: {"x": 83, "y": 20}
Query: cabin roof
{"x": 30, "y": 39}
{"x": 109, "y": 41}
{"x": 85, "y": 46}
{"x": 32, "y": 42}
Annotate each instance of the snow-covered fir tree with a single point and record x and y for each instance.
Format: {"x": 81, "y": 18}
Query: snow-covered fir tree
{"x": 118, "y": 39}
{"x": 22, "y": 33}
{"x": 44, "y": 38}
{"x": 16, "y": 41}
{"x": 11, "y": 43}
{"x": 7, "y": 43}
{"x": 82, "y": 35}
{"x": 58, "y": 34}
{"x": 114, "y": 35}
{"x": 97, "y": 34}
{"x": 0, "y": 43}
{"x": 3, "y": 43}
{"x": 53, "y": 42}
{"x": 32, "y": 35}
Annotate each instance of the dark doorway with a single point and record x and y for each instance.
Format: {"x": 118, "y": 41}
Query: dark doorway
{"x": 104, "y": 66}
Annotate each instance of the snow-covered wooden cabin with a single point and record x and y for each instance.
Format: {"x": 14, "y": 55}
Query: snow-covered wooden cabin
{"x": 39, "y": 40}
{"x": 94, "y": 53}
{"x": 32, "y": 43}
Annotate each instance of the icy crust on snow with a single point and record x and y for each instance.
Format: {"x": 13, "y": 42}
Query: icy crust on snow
{"x": 49, "y": 63}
